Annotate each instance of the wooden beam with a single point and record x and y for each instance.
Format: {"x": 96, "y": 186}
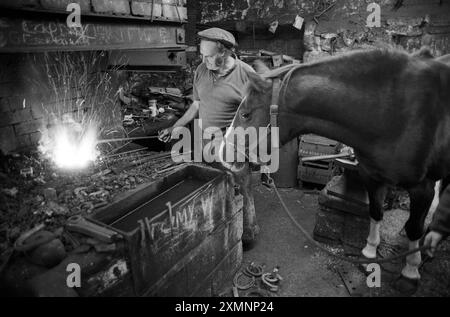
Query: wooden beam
{"x": 33, "y": 34}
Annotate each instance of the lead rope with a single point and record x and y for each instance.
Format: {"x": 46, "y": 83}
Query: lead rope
{"x": 339, "y": 257}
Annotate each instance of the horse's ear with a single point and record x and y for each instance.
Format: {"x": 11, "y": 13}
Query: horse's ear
{"x": 260, "y": 67}
{"x": 424, "y": 52}
{"x": 258, "y": 83}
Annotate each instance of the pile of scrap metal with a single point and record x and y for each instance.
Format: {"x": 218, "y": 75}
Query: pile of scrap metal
{"x": 153, "y": 109}
{"x": 165, "y": 100}
{"x": 252, "y": 281}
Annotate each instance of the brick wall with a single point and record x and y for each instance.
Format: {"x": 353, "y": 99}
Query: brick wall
{"x": 193, "y": 12}
{"x": 18, "y": 123}
{"x": 29, "y": 102}
{"x": 343, "y": 27}
{"x": 287, "y": 40}
{"x": 164, "y": 9}
{"x": 410, "y": 26}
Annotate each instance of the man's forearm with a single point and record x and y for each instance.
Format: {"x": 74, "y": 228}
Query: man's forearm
{"x": 441, "y": 217}
{"x": 188, "y": 116}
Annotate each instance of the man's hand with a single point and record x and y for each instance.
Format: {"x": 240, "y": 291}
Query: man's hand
{"x": 432, "y": 239}
{"x": 165, "y": 135}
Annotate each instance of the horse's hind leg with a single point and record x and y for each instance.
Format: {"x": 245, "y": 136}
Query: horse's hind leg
{"x": 377, "y": 193}
{"x": 420, "y": 197}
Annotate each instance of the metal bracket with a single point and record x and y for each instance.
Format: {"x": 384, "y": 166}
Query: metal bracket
{"x": 180, "y": 36}
{"x": 277, "y": 60}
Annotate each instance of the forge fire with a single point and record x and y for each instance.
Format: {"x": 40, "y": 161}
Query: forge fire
{"x": 69, "y": 144}
{"x": 209, "y": 149}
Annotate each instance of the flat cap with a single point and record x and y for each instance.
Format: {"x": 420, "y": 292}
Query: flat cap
{"x": 216, "y": 34}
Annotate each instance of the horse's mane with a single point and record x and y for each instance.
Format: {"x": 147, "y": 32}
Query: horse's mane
{"x": 261, "y": 82}
{"x": 278, "y": 72}
{"x": 385, "y": 58}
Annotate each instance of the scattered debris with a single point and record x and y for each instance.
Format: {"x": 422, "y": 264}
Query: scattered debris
{"x": 91, "y": 229}
{"x": 53, "y": 195}
{"x": 253, "y": 279}
{"x": 50, "y": 194}
{"x": 27, "y": 172}
{"x": 103, "y": 248}
{"x": 254, "y": 270}
{"x": 170, "y": 168}
{"x": 5, "y": 256}
{"x": 353, "y": 278}
{"x": 48, "y": 254}
{"x": 250, "y": 281}
{"x": 23, "y": 245}
{"x": 12, "y": 192}
{"x": 84, "y": 248}
{"x": 54, "y": 208}
{"x": 272, "y": 279}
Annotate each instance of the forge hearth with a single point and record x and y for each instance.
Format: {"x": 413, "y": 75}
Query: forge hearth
{"x": 137, "y": 244}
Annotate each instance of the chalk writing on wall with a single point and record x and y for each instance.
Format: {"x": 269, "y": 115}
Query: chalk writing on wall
{"x": 23, "y": 35}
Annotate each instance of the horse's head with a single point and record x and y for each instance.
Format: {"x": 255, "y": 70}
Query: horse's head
{"x": 251, "y": 122}
{"x": 254, "y": 109}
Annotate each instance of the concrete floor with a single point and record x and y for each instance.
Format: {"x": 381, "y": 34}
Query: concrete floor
{"x": 305, "y": 271}
{"x": 309, "y": 272}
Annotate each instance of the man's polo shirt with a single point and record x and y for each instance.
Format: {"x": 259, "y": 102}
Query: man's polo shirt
{"x": 220, "y": 96}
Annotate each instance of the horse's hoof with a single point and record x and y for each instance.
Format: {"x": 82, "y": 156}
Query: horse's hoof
{"x": 370, "y": 251}
{"x": 249, "y": 237}
{"x": 406, "y": 286}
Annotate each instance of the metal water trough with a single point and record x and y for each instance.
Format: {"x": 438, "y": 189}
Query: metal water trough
{"x": 181, "y": 232}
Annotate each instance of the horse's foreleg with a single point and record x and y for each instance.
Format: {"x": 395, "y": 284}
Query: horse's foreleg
{"x": 377, "y": 192}
{"x": 421, "y": 197}
{"x": 373, "y": 240}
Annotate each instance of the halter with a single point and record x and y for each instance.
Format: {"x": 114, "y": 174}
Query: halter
{"x": 273, "y": 110}
{"x": 274, "y": 106}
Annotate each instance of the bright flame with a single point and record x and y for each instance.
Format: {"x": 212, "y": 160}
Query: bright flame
{"x": 69, "y": 144}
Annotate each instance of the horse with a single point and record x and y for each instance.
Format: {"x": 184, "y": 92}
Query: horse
{"x": 391, "y": 107}
{"x": 426, "y": 53}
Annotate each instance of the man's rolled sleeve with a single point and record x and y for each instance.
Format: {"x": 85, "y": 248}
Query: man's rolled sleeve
{"x": 195, "y": 95}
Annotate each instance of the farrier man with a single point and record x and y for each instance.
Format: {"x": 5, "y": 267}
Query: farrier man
{"x": 218, "y": 89}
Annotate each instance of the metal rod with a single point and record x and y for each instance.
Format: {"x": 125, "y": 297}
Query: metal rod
{"x": 118, "y": 148}
{"x": 254, "y": 39}
{"x": 153, "y": 11}
{"x": 316, "y": 17}
{"x": 127, "y": 139}
{"x": 166, "y": 155}
{"x": 178, "y": 12}
{"x": 124, "y": 153}
{"x": 324, "y": 157}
